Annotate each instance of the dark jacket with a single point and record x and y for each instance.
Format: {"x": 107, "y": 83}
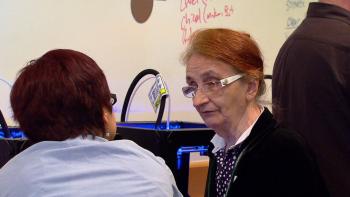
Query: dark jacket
{"x": 311, "y": 90}
{"x": 274, "y": 162}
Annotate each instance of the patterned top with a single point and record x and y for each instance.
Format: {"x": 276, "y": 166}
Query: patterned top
{"x": 225, "y": 166}
{"x": 226, "y": 161}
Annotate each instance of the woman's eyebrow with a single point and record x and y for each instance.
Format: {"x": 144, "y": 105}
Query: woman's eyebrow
{"x": 188, "y": 79}
{"x": 210, "y": 74}
{"x": 205, "y": 76}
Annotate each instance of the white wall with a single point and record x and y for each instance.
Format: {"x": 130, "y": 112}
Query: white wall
{"x": 106, "y": 31}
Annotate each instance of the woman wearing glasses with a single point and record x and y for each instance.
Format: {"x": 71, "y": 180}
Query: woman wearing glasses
{"x": 250, "y": 155}
{"x": 63, "y": 103}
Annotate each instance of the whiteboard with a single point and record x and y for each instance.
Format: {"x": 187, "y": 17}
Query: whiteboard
{"x": 107, "y": 31}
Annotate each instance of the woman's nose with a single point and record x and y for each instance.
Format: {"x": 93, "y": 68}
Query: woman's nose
{"x": 199, "y": 98}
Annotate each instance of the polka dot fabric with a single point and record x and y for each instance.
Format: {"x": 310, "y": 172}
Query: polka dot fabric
{"x": 225, "y": 164}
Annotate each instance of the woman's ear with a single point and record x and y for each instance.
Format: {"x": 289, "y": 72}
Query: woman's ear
{"x": 110, "y": 124}
{"x": 252, "y": 89}
{"x": 105, "y": 115}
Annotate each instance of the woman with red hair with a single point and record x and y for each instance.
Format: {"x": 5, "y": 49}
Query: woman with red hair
{"x": 250, "y": 155}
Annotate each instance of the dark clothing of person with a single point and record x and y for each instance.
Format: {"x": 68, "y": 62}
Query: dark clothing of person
{"x": 273, "y": 162}
{"x": 311, "y": 90}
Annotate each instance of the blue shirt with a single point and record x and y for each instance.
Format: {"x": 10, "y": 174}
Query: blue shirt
{"x": 86, "y": 167}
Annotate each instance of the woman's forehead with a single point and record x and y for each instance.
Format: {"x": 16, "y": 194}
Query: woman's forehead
{"x": 206, "y": 70}
{"x": 204, "y": 63}
{"x": 203, "y": 74}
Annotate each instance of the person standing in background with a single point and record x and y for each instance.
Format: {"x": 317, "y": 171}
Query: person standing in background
{"x": 311, "y": 88}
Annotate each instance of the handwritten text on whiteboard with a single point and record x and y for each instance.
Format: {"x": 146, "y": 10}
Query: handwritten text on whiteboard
{"x": 199, "y": 12}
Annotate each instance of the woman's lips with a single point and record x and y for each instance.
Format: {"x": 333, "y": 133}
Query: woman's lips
{"x": 206, "y": 113}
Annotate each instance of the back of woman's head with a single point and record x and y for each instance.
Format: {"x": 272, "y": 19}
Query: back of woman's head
{"x": 235, "y": 48}
{"x": 60, "y": 95}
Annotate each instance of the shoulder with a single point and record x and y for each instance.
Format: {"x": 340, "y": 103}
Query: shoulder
{"x": 286, "y": 138}
{"x": 286, "y": 146}
{"x": 135, "y": 154}
{"x": 283, "y": 135}
{"x": 311, "y": 36}
{"x": 282, "y": 151}
{"x": 270, "y": 139}
{"x": 128, "y": 146}
{"x": 148, "y": 168}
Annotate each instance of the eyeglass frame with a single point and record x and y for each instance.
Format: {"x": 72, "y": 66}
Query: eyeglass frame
{"x": 113, "y": 99}
{"x": 223, "y": 82}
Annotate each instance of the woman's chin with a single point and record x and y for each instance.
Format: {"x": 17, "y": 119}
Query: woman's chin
{"x": 212, "y": 123}
{"x": 212, "y": 119}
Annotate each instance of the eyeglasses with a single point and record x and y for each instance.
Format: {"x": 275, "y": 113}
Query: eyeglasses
{"x": 211, "y": 86}
{"x": 113, "y": 99}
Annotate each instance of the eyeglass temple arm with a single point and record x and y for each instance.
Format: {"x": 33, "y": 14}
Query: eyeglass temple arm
{"x": 231, "y": 79}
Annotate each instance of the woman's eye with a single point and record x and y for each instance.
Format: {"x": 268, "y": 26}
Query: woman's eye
{"x": 211, "y": 83}
{"x": 191, "y": 83}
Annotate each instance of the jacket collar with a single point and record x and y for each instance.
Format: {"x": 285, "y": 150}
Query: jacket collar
{"x": 317, "y": 9}
{"x": 262, "y": 126}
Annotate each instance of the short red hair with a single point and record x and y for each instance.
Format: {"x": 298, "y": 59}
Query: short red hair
{"x": 60, "y": 95}
{"x": 231, "y": 47}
